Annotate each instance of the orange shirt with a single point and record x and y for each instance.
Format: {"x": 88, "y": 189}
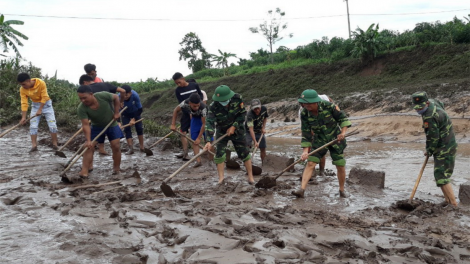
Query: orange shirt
{"x": 37, "y": 94}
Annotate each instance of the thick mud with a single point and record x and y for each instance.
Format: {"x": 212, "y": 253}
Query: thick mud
{"x": 46, "y": 221}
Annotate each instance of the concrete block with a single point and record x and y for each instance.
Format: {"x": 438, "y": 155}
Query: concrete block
{"x": 367, "y": 177}
{"x": 464, "y": 193}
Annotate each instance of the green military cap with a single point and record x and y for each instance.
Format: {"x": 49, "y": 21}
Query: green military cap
{"x": 309, "y": 97}
{"x": 222, "y": 93}
{"x": 419, "y": 100}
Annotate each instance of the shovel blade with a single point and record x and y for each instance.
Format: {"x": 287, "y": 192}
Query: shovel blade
{"x": 266, "y": 183}
{"x": 231, "y": 164}
{"x": 256, "y": 170}
{"x": 60, "y": 154}
{"x": 70, "y": 179}
{"x": 167, "y": 191}
{"x": 148, "y": 152}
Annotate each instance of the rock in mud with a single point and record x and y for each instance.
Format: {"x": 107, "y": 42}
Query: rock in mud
{"x": 368, "y": 177}
{"x": 278, "y": 163}
{"x": 464, "y": 193}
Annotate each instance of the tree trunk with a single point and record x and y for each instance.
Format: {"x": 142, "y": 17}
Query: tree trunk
{"x": 271, "y": 48}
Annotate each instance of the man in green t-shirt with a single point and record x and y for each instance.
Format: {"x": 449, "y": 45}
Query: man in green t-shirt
{"x": 97, "y": 108}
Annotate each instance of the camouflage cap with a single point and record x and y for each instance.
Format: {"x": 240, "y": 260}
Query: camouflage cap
{"x": 309, "y": 97}
{"x": 255, "y": 103}
{"x": 419, "y": 100}
{"x": 222, "y": 93}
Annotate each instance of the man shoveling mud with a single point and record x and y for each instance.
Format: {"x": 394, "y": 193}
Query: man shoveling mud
{"x": 97, "y": 108}
{"x": 36, "y": 90}
{"x": 255, "y": 125}
{"x": 96, "y": 87}
{"x": 130, "y": 115}
{"x": 198, "y": 112}
{"x": 440, "y": 141}
{"x": 228, "y": 112}
{"x": 327, "y": 123}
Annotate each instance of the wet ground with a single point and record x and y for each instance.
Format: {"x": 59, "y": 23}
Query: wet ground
{"x": 46, "y": 221}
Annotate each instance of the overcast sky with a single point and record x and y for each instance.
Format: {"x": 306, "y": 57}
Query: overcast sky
{"x": 131, "y": 50}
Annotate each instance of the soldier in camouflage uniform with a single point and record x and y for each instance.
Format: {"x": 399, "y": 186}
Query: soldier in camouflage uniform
{"x": 440, "y": 141}
{"x": 227, "y": 113}
{"x": 327, "y": 123}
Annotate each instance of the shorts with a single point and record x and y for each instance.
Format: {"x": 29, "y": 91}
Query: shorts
{"x": 336, "y": 152}
{"x": 112, "y": 133}
{"x": 47, "y": 112}
{"x": 185, "y": 121}
{"x": 238, "y": 141}
{"x": 249, "y": 140}
{"x": 444, "y": 163}
{"x": 139, "y": 127}
{"x": 196, "y": 125}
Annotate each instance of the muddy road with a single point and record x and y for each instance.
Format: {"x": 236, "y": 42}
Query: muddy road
{"x": 45, "y": 221}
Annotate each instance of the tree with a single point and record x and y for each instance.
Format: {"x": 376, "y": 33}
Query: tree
{"x": 366, "y": 43}
{"x": 222, "y": 60}
{"x": 193, "y": 51}
{"x": 271, "y": 29}
{"x": 9, "y": 36}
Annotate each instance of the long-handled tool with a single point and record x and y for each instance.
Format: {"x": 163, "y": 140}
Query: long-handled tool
{"x": 419, "y": 179}
{"x": 256, "y": 170}
{"x": 269, "y": 182}
{"x": 15, "y": 126}
{"x": 128, "y": 125}
{"x": 192, "y": 141}
{"x": 148, "y": 152}
{"x": 62, "y": 174}
{"x": 166, "y": 189}
{"x": 59, "y": 151}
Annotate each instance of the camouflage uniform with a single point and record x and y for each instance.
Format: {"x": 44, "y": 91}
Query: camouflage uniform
{"x": 440, "y": 139}
{"x": 326, "y": 127}
{"x": 223, "y": 118}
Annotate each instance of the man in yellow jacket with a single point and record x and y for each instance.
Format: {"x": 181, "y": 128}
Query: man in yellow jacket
{"x": 36, "y": 90}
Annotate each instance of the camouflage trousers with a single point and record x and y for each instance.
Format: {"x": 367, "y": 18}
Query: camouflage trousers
{"x": 336, "y": 152}
{"x": 444, "y": 162}
{"x": 239, "y": 142}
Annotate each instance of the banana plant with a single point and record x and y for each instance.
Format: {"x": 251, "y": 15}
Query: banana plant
{"x": 10, "y": 37}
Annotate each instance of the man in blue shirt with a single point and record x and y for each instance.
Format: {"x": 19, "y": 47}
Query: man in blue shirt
{"x": 130, "y": 115}
{"x": 182, "y": 92}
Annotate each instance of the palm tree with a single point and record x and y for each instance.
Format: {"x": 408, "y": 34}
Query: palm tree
{"x": 222, "y": 60}
{"x": 10, "y": 36}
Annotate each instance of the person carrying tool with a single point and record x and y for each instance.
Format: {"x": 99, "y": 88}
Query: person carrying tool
{"x": 255, "y": 123}
{"x": 198, "y": 111}
{"x": 101, "y": 87}
{"x": 36, "y": 90}
{"x": 440, "y": 141}
{"x": 182, "y": 92}
{"x": 130, "y": 115}
{"x": 228, "y": 112}
{"x": 90, "y": 70}
{"x": 97, "y": 108}
{"x": 327, "y": 124}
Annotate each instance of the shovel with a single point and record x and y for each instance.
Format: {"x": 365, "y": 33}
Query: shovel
{"x": 269, "y": 182}
{"x": 192, "y": 141}
{"x": 59, "y": 151}
{"x": 62, "y": 174}
{"x": 148, "y": 152}
{"x": 15, "y": 126}
{"x": 256, "y": 170}
{"x": 166, "y": 189}
{"x": 418, "y": 180}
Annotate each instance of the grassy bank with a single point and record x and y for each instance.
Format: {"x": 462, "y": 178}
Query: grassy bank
{"x": 401, "y": 72}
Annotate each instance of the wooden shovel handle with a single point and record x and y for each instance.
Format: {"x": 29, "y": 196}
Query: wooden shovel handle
{"x": 315, "y": 151}
{"x": 160, "y": 140}
{"x": 130, "y": 124}
{"x": 68, "y": 141}
{"x": 256, "y": 147}
{"x": 419, "y": 179}
{"x": 192, "y": 141}
{"x": 15, "y": 126}
{"x": 96, "y": 138}
{"x": 191, "y": 160}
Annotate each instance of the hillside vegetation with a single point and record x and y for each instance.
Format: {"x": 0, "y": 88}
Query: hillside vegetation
{"x": 403, "y": 72}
